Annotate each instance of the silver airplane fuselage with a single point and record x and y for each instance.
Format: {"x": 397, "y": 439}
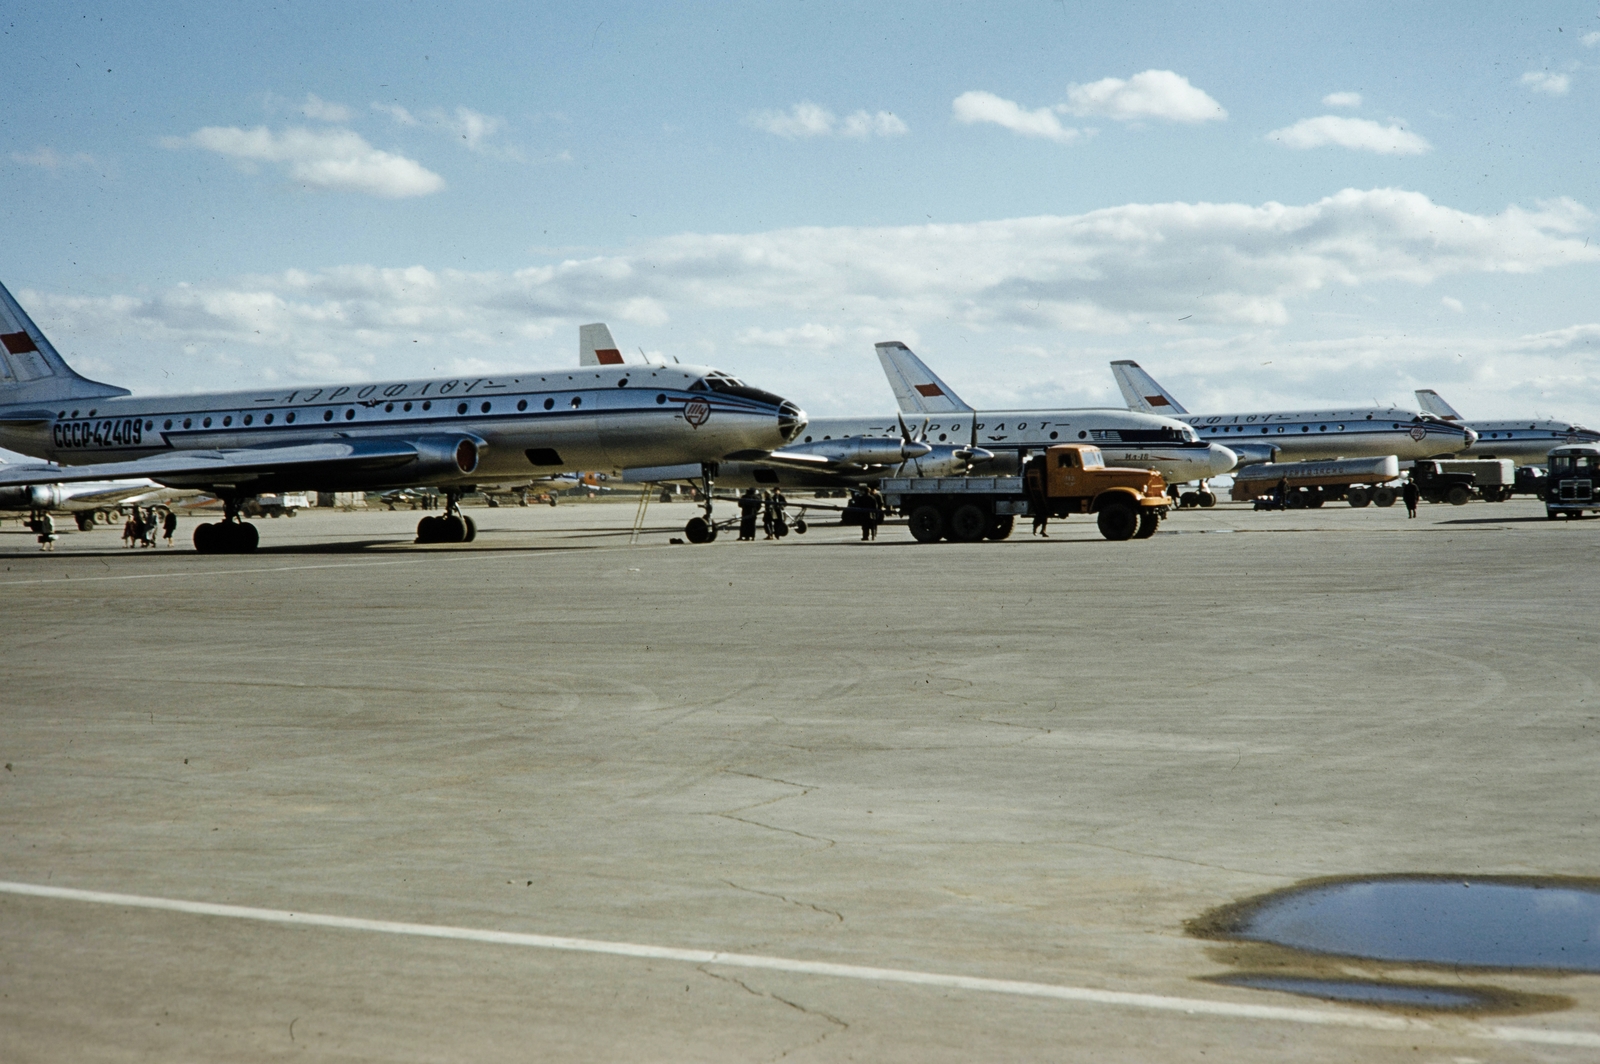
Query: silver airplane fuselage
{"x": 524, "y": 426}
{"x": 1525, "y": 442}
{"x": 1307, "y": 435}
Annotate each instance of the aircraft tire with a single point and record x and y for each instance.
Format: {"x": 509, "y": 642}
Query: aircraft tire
{"x": 927, "y": 524}
{"x": 1149, "y": 521}
{"x": 426, "y": 533}
{"x": 452, "y": 529}
{"x": 1383, "y": 497}
{"x": 1457, "y": 496}
{"x": 204, "y": 538}
{"x": 1208, "y": 499}
{"x": 698, "y": 530}
{"x": 245, "y": 537}
{"x": 1117, "y": 521}
{"x": 800, "y": 528}
{"x": 472, "y": 529}
{"x": 1189, "y": 499}
{"x": 1000, "y": 526}
{"x": 968, "y": 524}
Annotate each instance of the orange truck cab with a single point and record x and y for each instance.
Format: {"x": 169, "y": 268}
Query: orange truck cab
{"x": 1073, "y": 478}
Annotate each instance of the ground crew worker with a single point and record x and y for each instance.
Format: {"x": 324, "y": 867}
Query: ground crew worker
{"x": 749, "y": 507}
{"x": 780, "y": 520}
{"x": 767, "y": 514}
{"x": 874, "y": 516}
{"x": 46, "y": 527}
{"x": 1411, "y": 496}
{"x": 169, "y": 526}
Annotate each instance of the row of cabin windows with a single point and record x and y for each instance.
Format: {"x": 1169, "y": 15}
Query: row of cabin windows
{"x": 350, "y": 413}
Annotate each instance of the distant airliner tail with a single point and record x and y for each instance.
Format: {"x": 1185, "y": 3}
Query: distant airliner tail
{"x": 31, "y": 370}
{"x": 597, "y": 348}
{"x": 1141, "y": 391}
{"x": 916, "y": 388}
{"x": 1434, "y": 403}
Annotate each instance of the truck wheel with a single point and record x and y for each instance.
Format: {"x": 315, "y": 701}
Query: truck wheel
{"x": 1457, "y": 496}
{"x": 1550, "y": 514}
{"x": 1117, "y": 520}
{"x": 968, "y": 523}
{"x": 1148, "y": 520}
{"x": 1383, "y": 497}
{"x": 1000, "y": 526}
{"x": 927, "y": 524}
{"x": 86, "y": 522}
{"x": 1358, "y": 497}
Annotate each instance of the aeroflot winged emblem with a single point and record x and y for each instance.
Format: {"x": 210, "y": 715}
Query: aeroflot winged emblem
{"x": 1418, "y": 432}
{"x": 697, "y": 412}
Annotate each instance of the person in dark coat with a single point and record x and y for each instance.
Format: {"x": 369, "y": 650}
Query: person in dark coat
{"x": 780, "y": 520}
{"x": 767, "y": 513}
{"x": 169, "y": 526}
{"x": 874, "y": 515}
{"x": 749, "y": 508}
{"x": 1411, "y": 495}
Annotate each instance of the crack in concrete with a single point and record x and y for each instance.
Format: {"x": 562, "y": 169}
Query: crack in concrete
{"x": 838, "y": 1024}
{"x": 807, "y": 787}
{"x": 769, "y": 827}
{"x": 802, "y": 904}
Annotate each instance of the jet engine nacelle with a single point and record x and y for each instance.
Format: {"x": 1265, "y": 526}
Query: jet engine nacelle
{"x": 446, "y": 457}
{"x": 32, "y": 497}
{"x": 863, "y": 450}
{"x": 1253, "y": 453}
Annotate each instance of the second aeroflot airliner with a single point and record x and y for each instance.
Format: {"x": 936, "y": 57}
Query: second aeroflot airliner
{"x": 454, "y": 434}
{"x": 1301, "y": 435}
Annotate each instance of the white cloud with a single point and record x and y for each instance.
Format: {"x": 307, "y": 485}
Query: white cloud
{"x": 49, "y": 159}
{"x": 1150, "y": 94}
{"x": 336, "y": 159}
{"x": 806, "y": 119}
{"x": 323, "y": 111}
{"x": 472, "y": 128}
{"x": 974, "y": 107}
{"x": 1591, "y": 39}
{"x": 1357, "y": 134}
{"x": 802, "y": 293}
{"x": 398, "y": 113}
{"x": 1546, "y": 82}
{"x": 1342, "y": 99}
{"x": 1451, "y": 303}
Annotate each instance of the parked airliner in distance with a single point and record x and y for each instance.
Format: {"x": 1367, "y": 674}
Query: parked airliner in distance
{"x": 1525, "y": 442}
{"x": 1300, "y": 435}
{"x": 455, "y": 434}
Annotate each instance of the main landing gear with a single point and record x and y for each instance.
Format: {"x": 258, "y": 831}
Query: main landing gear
{"x": 231, "y": 535}
{"x": 451, "y": 527}
{"x": 703, "y": 529}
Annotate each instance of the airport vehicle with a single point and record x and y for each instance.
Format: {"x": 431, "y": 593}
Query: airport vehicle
{"x": 1066, "y": 479}
{"x": 279, "y": 504}
{"x": 1493, "y": 479}
{"x": 1360, "y": 481}
{"x": 1304, "y": 435}
{"x": 456, "y": 435}
{"x": 1524, "y": 441}
{"x": 1438, "y": 484}
{"x": 1573, "y": 472}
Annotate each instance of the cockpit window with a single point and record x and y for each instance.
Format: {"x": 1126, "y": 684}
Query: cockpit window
{"x": 721, "y": 382}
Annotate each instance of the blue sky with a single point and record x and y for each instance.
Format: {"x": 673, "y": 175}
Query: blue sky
{"x": 1267, "y": 205}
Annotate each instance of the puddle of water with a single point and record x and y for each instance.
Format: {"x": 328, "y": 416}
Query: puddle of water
{"x": 1405, "y": 995}
{"x": 1490, "y": 922}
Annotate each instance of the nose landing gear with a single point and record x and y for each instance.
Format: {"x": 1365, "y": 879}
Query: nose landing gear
{"x": 451, "y": 527}
{"x": 703, "y": 529}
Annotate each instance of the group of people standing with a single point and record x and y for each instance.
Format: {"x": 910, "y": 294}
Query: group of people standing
{"x": 768, "y": 507}
{"x": 869, "y": 501}
{"x": 142, "y": 525}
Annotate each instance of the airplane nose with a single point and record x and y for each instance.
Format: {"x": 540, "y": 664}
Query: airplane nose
{"x": 1471, "y": 436}
{"x": 1223, "y": 459}
{"x": 791, "y": 421}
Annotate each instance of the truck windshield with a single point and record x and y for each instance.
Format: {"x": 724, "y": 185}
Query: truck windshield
{"x": 1093, "y": 459}
{"x": 1560, "y": 465}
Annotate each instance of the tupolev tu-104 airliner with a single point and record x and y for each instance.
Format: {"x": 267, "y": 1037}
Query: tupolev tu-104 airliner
{"x": 454, "y": 434}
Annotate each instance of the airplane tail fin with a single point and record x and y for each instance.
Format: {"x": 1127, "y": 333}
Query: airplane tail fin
{"x": 916, "y": 388}
{"x": 31, "y": 369}
{"x": 1141, "y": 391}
{"x": 597, "y": 348}
{"x": 1434, "y": 404}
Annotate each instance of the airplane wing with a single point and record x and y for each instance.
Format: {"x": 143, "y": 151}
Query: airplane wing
{"x": 597, "y": 348}
{"x": 1434, "y": 403}
{"x": 1141, "y": 391}
{"x": 311, "y": 463}
{"x": 916, "y": 388}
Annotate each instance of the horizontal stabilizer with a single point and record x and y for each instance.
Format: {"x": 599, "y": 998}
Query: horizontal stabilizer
{"x": 1141, "y": 392}
{"x": 916, "y": 388}
{"x": 1434, "y": 403}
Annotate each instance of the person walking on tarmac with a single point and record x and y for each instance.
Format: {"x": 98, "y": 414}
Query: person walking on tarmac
{"x": 169, "y": 525}
{"x": 875, "y": 511}
{"x": 1411, "y": 496}
{"x": 780, "y": 520}
{"x": 749, "y": 507}
{"x": 45, "y": 526}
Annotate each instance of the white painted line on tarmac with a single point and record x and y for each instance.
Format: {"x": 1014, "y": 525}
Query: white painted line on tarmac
{"x": 59, "y": 580}
{"x": 1088, "y": 995}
